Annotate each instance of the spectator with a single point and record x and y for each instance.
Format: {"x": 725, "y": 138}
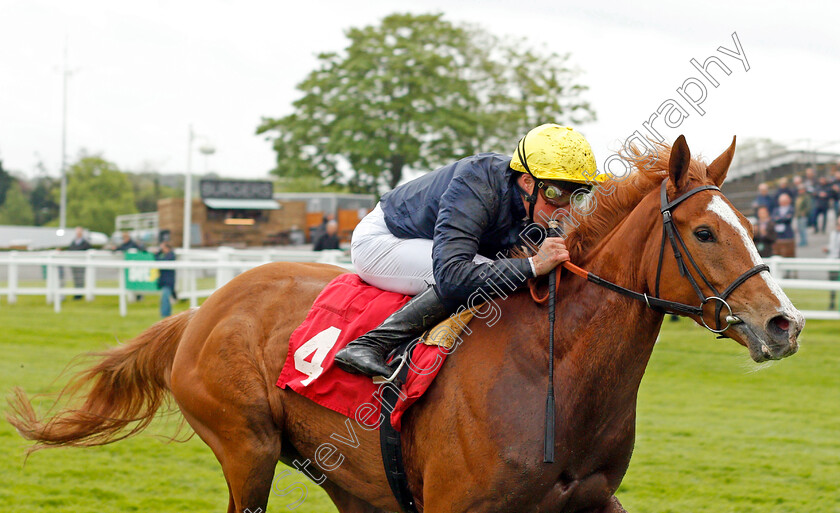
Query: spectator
{"x": 765, "y": 233}
{"x": 329, "y": 240}
{"x": 797, "y": 181}
{"x": 802, "y": 210}
{"x": 811, "y": 185}
{"x": 784, "y": 188}
{"x": 783, "y": 219}
{"x": 833, "y": 250}
{"x": 810, "y": 179}
{"x": 764, "y": 199}
{"x": 317, "y": 232}
{"x": 835, "y": 185}
{"x": 822, "y": 199}
{"x": 80, "y": 243}
{"x": 166, "y": 280}
{"x": 129, "y": 243}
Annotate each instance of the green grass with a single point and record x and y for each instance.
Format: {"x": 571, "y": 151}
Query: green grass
{"x": 718, "y": 433}
{"x": 714, "y": 435}
{"x": 811, "y": 299}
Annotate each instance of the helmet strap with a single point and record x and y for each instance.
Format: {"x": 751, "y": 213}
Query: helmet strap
{"x": 531, "y": 197}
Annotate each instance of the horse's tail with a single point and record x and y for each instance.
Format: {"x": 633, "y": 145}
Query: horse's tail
{"x": 124, "y": 388}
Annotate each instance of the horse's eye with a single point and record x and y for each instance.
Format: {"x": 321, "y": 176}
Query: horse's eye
{"x": 704, "y": 235}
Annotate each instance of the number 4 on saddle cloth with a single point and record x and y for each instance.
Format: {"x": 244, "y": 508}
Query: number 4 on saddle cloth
{"x": 346, "y": 309}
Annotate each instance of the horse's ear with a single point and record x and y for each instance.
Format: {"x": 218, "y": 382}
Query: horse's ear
{"x": 716, "y": 171}
{"x": 678, "y": 163}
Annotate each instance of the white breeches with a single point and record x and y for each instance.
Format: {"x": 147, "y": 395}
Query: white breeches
{"x": 390, "y": 263}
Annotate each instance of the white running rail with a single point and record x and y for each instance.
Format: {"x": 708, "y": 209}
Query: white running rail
{"x": 222, "y": 264}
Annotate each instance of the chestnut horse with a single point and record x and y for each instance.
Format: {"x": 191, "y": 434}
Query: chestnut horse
{"x": 474, "y": 442}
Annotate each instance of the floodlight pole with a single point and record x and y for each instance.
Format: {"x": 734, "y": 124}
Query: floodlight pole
{"x": 62, "y": 212}
{"x": 188, "y": 193}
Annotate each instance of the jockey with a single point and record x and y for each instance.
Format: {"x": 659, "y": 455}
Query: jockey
{"x": 442, "y": 236}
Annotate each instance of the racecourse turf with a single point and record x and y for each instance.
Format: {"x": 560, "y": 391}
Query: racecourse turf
{"x": 716, "y": 433}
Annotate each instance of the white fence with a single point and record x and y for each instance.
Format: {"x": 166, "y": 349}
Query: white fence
{"x": 781, "y": 267}
{"x": 223, "y": 264}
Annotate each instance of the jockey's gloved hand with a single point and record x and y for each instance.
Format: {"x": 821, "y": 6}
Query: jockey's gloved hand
{"x": 552, "y": 253}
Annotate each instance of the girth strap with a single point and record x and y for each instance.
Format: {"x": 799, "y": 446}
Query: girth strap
{"x": 391, "y": 444}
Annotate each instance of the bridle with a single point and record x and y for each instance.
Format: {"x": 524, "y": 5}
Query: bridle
{"x": 670, "y": 232}
{"x": 681, "y": 253}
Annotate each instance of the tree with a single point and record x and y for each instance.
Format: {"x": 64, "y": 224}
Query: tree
{"x": 417, "y": 91}
{"x": 16, "y": 210}
{"x": 97, "y": 192}
{"x": 44, "y": 205}
{"x": 148, "y": 190}
{"x": 306, "y": 183}
{"x": 6, "y": 181}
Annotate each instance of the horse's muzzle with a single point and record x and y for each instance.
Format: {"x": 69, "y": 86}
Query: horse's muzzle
{"x": 783, "y": 335}
{"x": 776, "y": 338}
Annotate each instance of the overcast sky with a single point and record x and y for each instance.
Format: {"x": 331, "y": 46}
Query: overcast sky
{"x": 145, "y": 71}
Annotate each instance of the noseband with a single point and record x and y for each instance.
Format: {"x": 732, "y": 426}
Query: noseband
{"x": 681, "y": 253}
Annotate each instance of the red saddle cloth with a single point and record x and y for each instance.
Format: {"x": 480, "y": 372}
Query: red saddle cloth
{"x": 346, "y": 309}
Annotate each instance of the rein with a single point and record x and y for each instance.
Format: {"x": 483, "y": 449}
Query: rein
{"x": 548, "y": 439}
{"x": 681, "y": 252}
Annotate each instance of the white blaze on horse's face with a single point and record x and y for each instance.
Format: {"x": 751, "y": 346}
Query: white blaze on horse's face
{"x": 767, "y": 336}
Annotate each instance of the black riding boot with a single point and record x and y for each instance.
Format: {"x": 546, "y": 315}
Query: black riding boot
{"x": 366, "y": 354}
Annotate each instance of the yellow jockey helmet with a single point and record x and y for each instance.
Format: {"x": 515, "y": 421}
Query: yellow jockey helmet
{"x": 554, "y": 152}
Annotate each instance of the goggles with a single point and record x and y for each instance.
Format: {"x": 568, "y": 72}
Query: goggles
{"x": 559, "y": 195}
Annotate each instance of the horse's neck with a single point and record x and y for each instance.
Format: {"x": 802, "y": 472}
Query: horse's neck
{"x": 611, "y": 336}
{"x": 621, "y": 330}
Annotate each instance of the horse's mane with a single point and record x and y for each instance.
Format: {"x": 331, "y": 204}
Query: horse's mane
{"x": 615, "y": 198}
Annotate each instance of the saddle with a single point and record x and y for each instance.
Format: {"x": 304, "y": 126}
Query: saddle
{"x": 346, "y": 309}
{"x": 444, "y": 335}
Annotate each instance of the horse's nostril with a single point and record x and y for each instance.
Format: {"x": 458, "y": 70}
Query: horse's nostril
{"x": 781, "y": 322}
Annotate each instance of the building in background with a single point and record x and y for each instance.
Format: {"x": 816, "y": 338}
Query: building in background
{"x": 243, "y": 213}
{"x": 235, "y": 213}
{"x": 346, "y": 209}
